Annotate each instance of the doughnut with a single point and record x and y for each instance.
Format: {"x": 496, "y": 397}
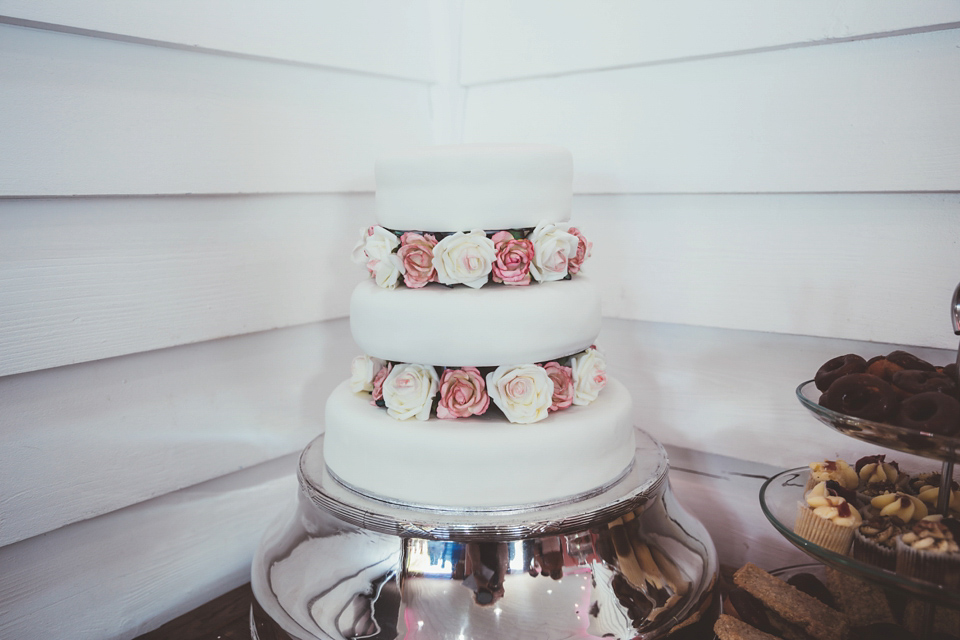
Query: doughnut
{"x": 913, "y": 381}
{"x": 882, "y": 368}
{"x": 932, "y": 412}
{"x": 861, "y": 395}
{"x": 909, "y": 361}
{"x": 951, "y": 371}
{"x": 837, "y": 368}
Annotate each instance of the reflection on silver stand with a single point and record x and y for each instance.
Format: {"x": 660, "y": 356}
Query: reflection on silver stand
{"x": 626, "y": 563}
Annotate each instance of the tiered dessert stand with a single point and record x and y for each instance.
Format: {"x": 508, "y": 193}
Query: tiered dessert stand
{"x": 625, "y": 561}
{"x": 780, "y": 494}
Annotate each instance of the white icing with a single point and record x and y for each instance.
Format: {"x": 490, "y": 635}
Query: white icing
{"x": 479, "y": 461}
{"x": 492, "y": 326}
{"x": 468, "y": 187}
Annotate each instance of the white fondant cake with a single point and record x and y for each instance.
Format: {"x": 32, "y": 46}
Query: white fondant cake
{"x": 466, "y": 187}
{"x": 482, "y": 461}
{"x": 488, "y": 392}
{"x": 481, "y": 328}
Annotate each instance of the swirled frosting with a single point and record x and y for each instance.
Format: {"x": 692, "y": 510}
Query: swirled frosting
{"x": 879, "y": 471}
{"x": 837, "y": 470}
{"x": 828, "y": 505}
{"x": 899, "y": 505}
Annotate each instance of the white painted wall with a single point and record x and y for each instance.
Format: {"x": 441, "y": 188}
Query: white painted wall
{"x": 766, "y": 185}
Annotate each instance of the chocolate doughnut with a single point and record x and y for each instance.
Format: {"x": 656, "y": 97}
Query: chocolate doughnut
{"x": 909, "y": 361}
{"x": 861, "y": 395}
{"x": 932, "y": 412}
{"x": 951, "y": 371}
{"x": 913, "y": 381}
{"x": 837, "y": 368}
{"x": 882, "y": 368}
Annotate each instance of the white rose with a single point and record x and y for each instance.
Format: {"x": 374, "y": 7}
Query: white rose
{"x": 464, "y": 258}
{"x": 589, "y": 376}
{"x": 387, "y": 272}
{"x": 523, "y": 392}
{"x": 359, "y": 253}
{"x": 553, "y": 246}
{"x": 408, "y": 391}
{"x": 380, "y": 243}
{"x": 362, "y": 372}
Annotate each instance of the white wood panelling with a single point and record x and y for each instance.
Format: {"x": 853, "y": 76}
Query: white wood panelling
{"x": 732, "y": 393}
{"x": 872, "y": 267}
{"x": 82, "y": 115}
{"x": 91, "y": 278}
{"x": 504, "y": 39}
{"x": 874, "y": 115}
{"x": 128, "y": 572}
{"x": 373, "y": 36}
{"x": 79, "y": 441}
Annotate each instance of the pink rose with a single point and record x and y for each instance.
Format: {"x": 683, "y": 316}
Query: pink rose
{"x": 462, "y": 393}
{"x": 562, "y": 385}
{"x": 416, "y": 254}
{"x": 378, "y": 381}
{"x": 512, "y": 265}
{"x": 583, "y": 251}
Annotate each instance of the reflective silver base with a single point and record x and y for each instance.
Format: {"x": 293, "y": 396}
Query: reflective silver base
{"x": 626, "y": 563}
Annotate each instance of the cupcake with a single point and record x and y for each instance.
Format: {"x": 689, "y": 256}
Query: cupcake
{"x": 875, "y": 541}
{"x": 928, "y": 550}
{"x": 837, "y": 470}
{"x": 902, "y": 506}
{"x": 827, "y": 519}
{"x": 927, "y": 487}
{"x": 877, "y": 476}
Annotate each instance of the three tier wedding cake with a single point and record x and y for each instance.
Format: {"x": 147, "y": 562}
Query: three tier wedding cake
{"x": 480, "y": 386}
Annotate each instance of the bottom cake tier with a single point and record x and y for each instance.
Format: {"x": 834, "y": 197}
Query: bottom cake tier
{"x": 481, "y": 462}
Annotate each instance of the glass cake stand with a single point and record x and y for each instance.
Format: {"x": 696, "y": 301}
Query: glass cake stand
{"x": 779, "y": 500}
{"x": 627, "y": 562}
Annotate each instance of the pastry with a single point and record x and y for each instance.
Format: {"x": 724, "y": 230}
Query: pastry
{"x": 827, "y": 519}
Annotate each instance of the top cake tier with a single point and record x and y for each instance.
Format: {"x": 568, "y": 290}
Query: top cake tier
{"x": 467, "y": 187}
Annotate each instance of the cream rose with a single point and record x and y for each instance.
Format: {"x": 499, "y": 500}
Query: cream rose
{"x": 363, "y": 369}
{"x": 409, "y": 390}
{"x": 359, "y": 254}
{"x": 387, "y": 272}
{"x": 464, "y": 258}
{"x": 553, "y": 248}
{"x": 523, "y": 392}
{"x": 589, "y": 376}
{"x": 380, "y": 243}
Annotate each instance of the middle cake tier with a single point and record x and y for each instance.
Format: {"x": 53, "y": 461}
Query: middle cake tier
{"x": 486, "y": 327}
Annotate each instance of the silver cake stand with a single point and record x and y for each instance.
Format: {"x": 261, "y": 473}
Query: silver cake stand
{"x": 626, "y": 562}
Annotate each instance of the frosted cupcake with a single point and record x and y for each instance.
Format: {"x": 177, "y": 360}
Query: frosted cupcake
{"x": 900, "y": 505}
{"x": 827, "y": 519}
{"x": 837, "y": 470}
{"x": 928, "y": 550}
{"x": 877, "y": 476}
{"x": 927, "y": 488}
{"x": 875, "y": 541}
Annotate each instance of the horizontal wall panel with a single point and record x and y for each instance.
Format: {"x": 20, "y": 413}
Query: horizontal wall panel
{"x": 873, "y": 115}
{"x": 504, "y": 40}
{"x": 90, "y": 278}
{"x": 732, "y": 393}
{"x": 126, "y": 573}
{"x": 82, "y": 115}
{"x": 373, "y": 36}
{"x": 80, "y": 441}
{"x": 872, "y": 267}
